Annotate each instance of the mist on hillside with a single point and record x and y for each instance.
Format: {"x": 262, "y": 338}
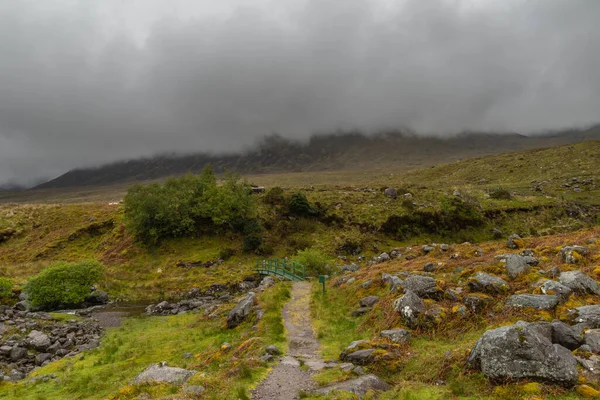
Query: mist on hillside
{"x": 84, "y": 83}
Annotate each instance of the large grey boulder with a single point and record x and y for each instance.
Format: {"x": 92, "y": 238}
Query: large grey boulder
{"x": 241, "y": 310}
{"x": 523, "y": 351}
{"x": 396, "y": 335}
{"x": 579, "y": 282}
{"x": 483, "y": 282}
{"x": 38, "y": 340}
{"x": 359, "y": 386}
{"x": 411, "y": 307}
{"x": 556, "y": 288}
{"x": 537, "y": 301}
{"x": 516, "y": 265}
{"x": 165, "y": 374}
{"x": 422, "y": 286}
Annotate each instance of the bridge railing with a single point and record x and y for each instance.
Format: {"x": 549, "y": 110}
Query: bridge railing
{"x": 281, "y": 267}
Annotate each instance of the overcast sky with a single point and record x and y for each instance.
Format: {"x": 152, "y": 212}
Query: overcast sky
{"x": 86, "y": 82}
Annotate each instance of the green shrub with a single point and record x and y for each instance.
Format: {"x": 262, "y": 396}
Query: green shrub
{"x": 6, "y": 286}
{"x": 316, "y": 263}
{"x": 274, "y": 196}
{"x": 186, "y": 205}
{"x": 300, "y": 206}
{"x": 63, "y": 284}
{"x": 253, "y": 235}
{"x": 500, "y": 194}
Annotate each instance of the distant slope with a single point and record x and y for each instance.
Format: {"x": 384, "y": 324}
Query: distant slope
{"x": 322, "y": 152}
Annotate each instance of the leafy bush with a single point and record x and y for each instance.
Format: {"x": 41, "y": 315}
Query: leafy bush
{"x": 253, "y": 235}
{"x": 5, "y": 288}
{"x": 316, "y": 263}
{"x": 184, "y": 206}
{"x": 274, "y": 196}
{"x": 500, "y": 194}
{"x": 300, "y": 206}
{"x": 63, "y": 284}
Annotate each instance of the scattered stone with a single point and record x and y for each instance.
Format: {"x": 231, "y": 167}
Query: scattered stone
{"x": 360, "y": 357}
{"x": 162, "y": 373}
{"x": 572, "y": 254}
{"x": 476, "y": 302}
{"x": 38, "y": 340}
{"x": 366, "y": 284}
{"x": 354, "y": 345}
{"x": 497, "y": 233}
{"x": 272, "y": 350}
{"x": 383, "y": 257}
{"x": 18, "y": 353}
{"x": 241, "y": 310}
{"x": 369, "y": 301}
{"x": 194, "y": 389}
{"x": 514, "y": 241}
{"x": 396, "y": 335}
{"x": 556, "y": 288}
{"x": 483, "y": 282}
{"x": 349, "y": 268}
{"x": 579, "y": 282}
{"x": 523, "y": 351}
{"x": 97, "y": 297}
{"x": 422, "y": 286}
{"x": 360, "y": 311}
{"x": 516, "y": 265}
{"x": 428, "y": 249}
{"x": 587, "y": 316}
{"x": 392, "y": 193}
{"x": 225, "y": 346}
{"x": 564, "y": 335}
{"x": 266, "y": 358}
{"x": 42, "y": 357}
{"x": 393, "y": 280}
{"x": 592, "y": 338}
{"x": 537, "y": 301}
{"x": 411, "y": 307}
{"x": 444, "y": 247}
{"x": 429, "y": 267}
{"x": 359, "y": 386}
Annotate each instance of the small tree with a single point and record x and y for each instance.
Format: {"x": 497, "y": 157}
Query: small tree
{"x": 63, "y": 284}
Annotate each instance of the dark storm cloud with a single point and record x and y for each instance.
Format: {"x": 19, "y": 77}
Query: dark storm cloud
{"x": 82, "y": 84}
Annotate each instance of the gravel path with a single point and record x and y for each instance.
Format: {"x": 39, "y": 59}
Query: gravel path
{"x": 287, "y": 379}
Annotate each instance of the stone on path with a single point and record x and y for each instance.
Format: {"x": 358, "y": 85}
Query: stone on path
{"x": 359, "y": 386}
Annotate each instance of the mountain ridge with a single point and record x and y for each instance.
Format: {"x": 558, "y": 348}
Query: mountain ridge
{"x": 343, "y": 150}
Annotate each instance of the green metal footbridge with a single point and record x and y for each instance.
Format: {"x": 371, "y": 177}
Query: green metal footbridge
{"x": 282, "y": 268}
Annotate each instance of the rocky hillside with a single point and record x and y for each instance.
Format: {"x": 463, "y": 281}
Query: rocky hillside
{"x": 322, "y": 152}
{"x": 503, "y": 319}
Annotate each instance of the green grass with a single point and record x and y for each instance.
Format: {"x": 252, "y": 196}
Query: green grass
{"x": 106, "y": 372}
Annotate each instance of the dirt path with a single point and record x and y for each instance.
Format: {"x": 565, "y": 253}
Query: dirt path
{"x": 287, "y": 378}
